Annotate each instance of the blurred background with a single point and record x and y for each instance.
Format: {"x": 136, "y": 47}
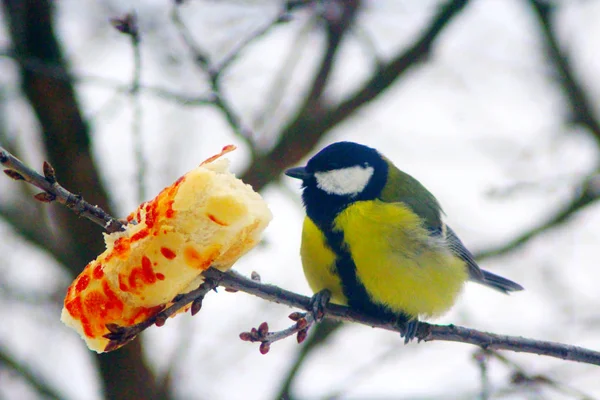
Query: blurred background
{"x": 494, "y": 105}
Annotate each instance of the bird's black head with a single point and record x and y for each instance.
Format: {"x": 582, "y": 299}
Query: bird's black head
{"x": 337, "y": 176}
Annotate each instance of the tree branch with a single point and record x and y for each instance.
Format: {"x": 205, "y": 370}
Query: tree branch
{"x": 53, "y": 191}
{"x": 233, "y": 281}
{"x": 28, "y": 227}
{"x": 128, "y": 25}
{"x": 282, "y": 16}
{"x": 582, "y": 112}
{"x": 316, "y": 118}
{"x": 582, "y": 109}
{"x": 216, "y": 70}
{"x": 55, "y": 71}
{"x": 587, "y": 194}
{"x": 37, "y": 383}
{"x": 320, "y": 334}
{"x": 520, "y": 376}
{"x": 426, "y": 332}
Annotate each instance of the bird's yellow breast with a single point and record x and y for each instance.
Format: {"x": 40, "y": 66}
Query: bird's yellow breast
{"x": 400, "y": 265}
{"x": 318, "y": 262}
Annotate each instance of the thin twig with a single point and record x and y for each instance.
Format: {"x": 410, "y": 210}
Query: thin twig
{"x": 216, "y": 70}
{"x": 271, "y": 110}
{"x": 481, "y": 357}
{"x": 203, "y": 60}
{"x": 53, "y": 191}
{"x": 128, "y": 25}
{"x": 303, "y": 322}
{"x": 310, "y": 124}
{"x": 282, "y": 16}
{"x": 319, "y": 336}
{"x": 55, "y": 71}
{"x": 368, "y": 45}
{"x": 120, "y": 335}
{"x": 581, "y": 104}
{"x": 136, "y": 120}
{"x": 364, "y": 372}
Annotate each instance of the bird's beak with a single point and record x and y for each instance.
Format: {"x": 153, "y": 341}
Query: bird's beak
{"x": 298, "y": 173}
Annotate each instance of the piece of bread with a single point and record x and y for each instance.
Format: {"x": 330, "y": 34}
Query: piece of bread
{"x": 208, "y": 217}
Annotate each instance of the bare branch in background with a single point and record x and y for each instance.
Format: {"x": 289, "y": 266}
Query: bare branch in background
{"x": 316, "y": 117}
{"x": 481, "y": 359}
{"x": 581, "y": 111}
{"x": 270, "y": 111}
{"x": 588, "y": 194}
{"x": 363, "y": 372}
{"x": 128, "y": 25}
{"x": 225, "y": 63}
{"x": 369, "y": 46}
{"x": 581, "y": 106}
{"x": 27, "y": 225}
{"x": 37, "y": 383}
{"x": 520, "y": 377}
{"x": 319, "y": 336}
{"x": 216, "y": 70}
{"x": 55, "y": 71}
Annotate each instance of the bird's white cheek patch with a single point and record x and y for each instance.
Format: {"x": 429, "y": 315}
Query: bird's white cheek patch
{"x": 344, "y": 181}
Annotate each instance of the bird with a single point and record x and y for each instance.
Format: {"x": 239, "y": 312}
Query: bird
{"x": 374, "y": 240}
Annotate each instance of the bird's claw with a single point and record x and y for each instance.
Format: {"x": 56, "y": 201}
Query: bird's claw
{"x": 410, "y": 329}
{"x": 318, "y": 303}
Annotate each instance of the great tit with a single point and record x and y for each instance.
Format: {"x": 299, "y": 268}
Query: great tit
{"x": 373, "y": 237}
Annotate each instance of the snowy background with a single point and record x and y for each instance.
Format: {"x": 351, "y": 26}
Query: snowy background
{"x": 483, "y": 123}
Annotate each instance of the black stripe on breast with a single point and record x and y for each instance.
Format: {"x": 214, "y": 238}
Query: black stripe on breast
{"x": 353, "y": 289}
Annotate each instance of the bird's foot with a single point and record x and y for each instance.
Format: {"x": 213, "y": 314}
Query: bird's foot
{"x": 409, "y": 330}
{"x": 318, "y": 303}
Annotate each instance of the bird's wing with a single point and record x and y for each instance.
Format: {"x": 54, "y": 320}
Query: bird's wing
{"x": 477, "y": 274}
{"x": 410, "y": 193}
{"x": 457, "y": 247}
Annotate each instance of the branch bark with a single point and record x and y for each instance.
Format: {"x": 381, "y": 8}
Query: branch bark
{"x": 426, "y": 332}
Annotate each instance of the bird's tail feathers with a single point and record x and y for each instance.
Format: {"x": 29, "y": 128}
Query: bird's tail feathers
{"x": 499, "y": 283}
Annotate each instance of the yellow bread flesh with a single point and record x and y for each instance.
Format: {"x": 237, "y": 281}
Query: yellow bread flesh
{"x": 206, "y": 218}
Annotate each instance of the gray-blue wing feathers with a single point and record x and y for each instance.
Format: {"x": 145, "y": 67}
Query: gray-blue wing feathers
{"x": 476, "y": 274}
